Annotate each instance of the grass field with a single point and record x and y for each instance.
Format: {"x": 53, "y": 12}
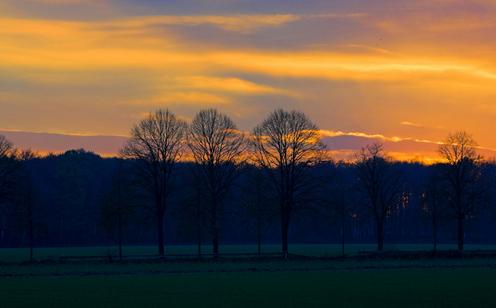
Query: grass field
{"x": 22, "y": 254}
{"x": 370, "y": 288}
{"x": 247, "y": 283}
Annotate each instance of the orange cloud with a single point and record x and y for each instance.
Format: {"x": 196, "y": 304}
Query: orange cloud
{"x": 412, "y": 71}
{"x": 100, "y": 45}
{"x": 229, "y": 84}
{"x": 171, "y": 98}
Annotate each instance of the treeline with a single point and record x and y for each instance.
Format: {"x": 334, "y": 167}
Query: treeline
{"x": 207, "y": 182}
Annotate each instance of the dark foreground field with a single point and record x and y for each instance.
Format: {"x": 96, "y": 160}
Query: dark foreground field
{"x": 468, "y": 287}
{"x": 247, "y": 282}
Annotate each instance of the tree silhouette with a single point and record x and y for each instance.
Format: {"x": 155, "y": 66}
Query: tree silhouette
{"x": 156, "y": 144}
{"x": 9, "y": 168}
{"x": 286, "y": 144}
{"x": 463, "y": 176}
{"x": 432, "y": 198}
{"x": 381, "y": 183}
{"x": 217, "y": 148}
{"x": 193, "y": 212}
{"x": 27, "y": 194}
{"x": 339, "y": 199}
{"x": 73, "y": 179}
{"x": 119, "y": 203}
{"x": 258, "y": 202}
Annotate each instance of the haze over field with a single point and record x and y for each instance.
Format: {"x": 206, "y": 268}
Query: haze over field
{"x": 402, "y": 72}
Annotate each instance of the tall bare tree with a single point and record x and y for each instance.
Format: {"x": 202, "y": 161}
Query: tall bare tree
{"x": 286, "y": 144}
{"x": 156, "y": 144}
{"x": 217, "y": 147}
{"x": 463, "y": 175}
{"x": 381, "y": 183}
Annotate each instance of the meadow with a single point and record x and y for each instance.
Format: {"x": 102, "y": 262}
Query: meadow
{"x": 245, "y": 282}
{"x": 463, "y": 287}
{"x": 315, "y": 250}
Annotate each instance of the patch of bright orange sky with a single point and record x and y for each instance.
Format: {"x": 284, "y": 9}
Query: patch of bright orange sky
{"x": 395, "y": 71}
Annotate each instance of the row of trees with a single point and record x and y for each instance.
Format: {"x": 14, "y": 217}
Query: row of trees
{"x": 284, "y": 145}
{"x": 283, "y": 153}
{"x": 459, "y": 180}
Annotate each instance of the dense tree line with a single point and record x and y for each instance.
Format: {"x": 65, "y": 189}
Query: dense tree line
{"x": 176, "y": 182}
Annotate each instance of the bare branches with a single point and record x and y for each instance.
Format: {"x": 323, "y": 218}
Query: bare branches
{"x": 458, "y": 147}
{"x": 381, "y": 183}
{"x": 218, "y": 149}
{"x": 463, "y": 174}
{"x": 288, "y": 142}
{"x": 462, "y": 171}
{"x": 285, "y": 144}
{"x": 6, "y": 147}
{"x": 157, "y": 139}
{"x": 214, "y": 139}
{"x": 9, "y": 168}
{"x": 157, "y": 143}
{"x": 287, "y": 139}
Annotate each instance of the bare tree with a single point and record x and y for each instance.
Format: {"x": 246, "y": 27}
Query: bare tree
{"x": 8, "y": 168}
{"x": 217, "y": 148}
{"x": 286, "y": 144}
{"x": 463, "y": 175}
{"x": 381, "y": 183}
{"x": 156, "y": 145}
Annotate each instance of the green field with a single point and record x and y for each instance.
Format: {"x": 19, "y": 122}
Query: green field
{"x": 246, "y": 282}
{"x": 22, "y": 254}
{"x": 362, "y": 288}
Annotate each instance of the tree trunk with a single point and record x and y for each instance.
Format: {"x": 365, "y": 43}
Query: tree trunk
{"x": 284, "y": 241}
{"x": 461, "y": 233}
{"x": 434, "y": 229}
{"x": 160, "y": 233}
{"x": 284, "y": 232}
{"x": 31, "y": 239}
{"x": 119, "y": 231}
{"x": 259, "y": 237}
{"x": 215, "y": 229}
{"x": 343, "y": 222}
{"x": 199, "y": 239}
{"x": 380, "y": 235}
{"x": 215, "y": 243}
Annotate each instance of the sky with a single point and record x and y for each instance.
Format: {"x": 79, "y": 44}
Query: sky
{"x": 80, "y": 73}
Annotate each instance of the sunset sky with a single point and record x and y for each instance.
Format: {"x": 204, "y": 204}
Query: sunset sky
{"x": 403, "y": 72}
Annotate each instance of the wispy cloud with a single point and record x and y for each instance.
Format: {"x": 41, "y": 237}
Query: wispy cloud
{"x": 225, "y": 84}
{"x": 244, "y": 23}
{"x": 380, "y": 137}
{"x": 408, "y": 123}
{"x": 193, "y": 98}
